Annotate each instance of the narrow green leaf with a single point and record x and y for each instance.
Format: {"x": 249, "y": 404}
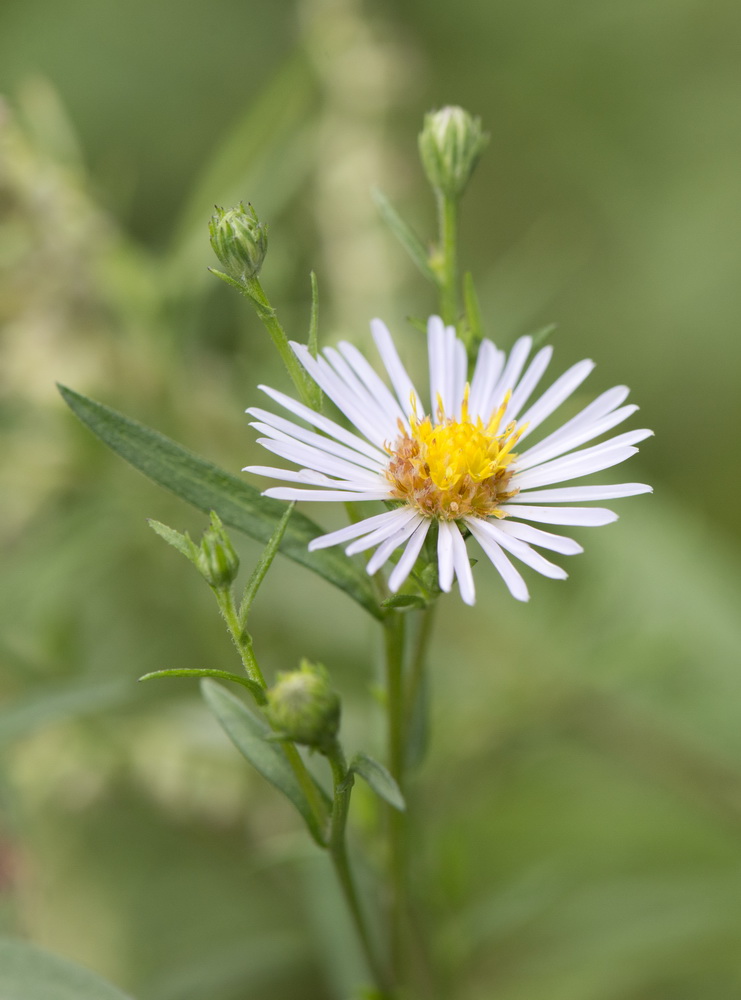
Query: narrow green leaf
{"x": 251, "y": 736}
{"x": 28, "y": 973}
{"x": 540, "y": 336}
{"x": 183, "y": 543}
{"x": 225, "y": 675}
{"x": 208, "y": 488}
{"x": 266, "y": 559}
{"x": 313, "y": 341}
{"x": 315, "y": 393}
{"x": 405, "y": 235}
{"x": 379, "y": 779}
{"x": 227, "y": 279}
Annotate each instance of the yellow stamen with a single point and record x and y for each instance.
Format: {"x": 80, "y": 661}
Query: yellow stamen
{"x": 456, "y": 467}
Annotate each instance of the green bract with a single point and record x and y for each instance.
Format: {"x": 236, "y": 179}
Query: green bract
{"x": 304, "y": 708}
{"x": 450, "y": 145}
{"x": 239, "y": 240}
{"x": 217, "y": 560}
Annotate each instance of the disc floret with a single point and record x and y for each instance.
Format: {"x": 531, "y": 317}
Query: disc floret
{"x": 449, "y": 469}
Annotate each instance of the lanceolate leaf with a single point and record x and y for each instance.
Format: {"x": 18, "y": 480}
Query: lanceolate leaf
{"x": 208, "y": 488}
{"x": 405, "y": 235}
{"x": 380, "y": 780}
{"x": 251, "y": 736}
{"x": 28, "y": 973}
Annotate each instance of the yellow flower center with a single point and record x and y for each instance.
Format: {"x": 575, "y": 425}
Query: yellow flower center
{"x": 454, "y": 468}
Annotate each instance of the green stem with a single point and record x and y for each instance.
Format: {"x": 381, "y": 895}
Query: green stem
{"x": 343, "y": 782}
{"x": 243, "y": 642}
{"x": 241, "y": 639}
{"x": 418, "y": 662}
{"x": 308, "y": 391}
{"x": 396, "y": 707}
{"x": 447, "y": 209}
{"x": 309, "y": 788}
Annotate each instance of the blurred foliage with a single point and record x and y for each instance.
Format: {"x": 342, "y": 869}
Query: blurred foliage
{"x": 583, "y": 791}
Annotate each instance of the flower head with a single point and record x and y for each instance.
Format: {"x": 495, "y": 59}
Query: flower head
{"x": 464, "y": 464}
{"x": 239, "y": 240}
{"x": 450, "y": 145}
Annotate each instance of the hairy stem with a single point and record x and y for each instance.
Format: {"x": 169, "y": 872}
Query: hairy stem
{"x": 396, "y": 708}
{"x": 447, "y": 209}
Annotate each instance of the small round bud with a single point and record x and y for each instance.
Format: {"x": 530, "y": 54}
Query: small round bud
{"x": 450, "y": 145}
{"x": 217, "y": 560}
{"x": 239, "y": 240}
{"x": 304, "y": 708}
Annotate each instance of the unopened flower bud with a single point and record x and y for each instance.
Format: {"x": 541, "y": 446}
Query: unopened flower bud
{"x": 217, "y": 560}
{"x": 450, "y": 145}
{"x": 304, "y": 708}
{"x": 239, "y": 240}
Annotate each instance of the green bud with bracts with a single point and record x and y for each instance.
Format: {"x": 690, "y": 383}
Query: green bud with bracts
{"x": 217, "y": 560}
{"x": 304, "y": 708}
{"x": 450, "y": 145}
{"x": 239, "y": 240}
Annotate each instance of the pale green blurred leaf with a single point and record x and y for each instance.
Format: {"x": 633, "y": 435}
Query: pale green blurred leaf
{"x": 405, "y": 235}
{"x": 249, "y": 734}
{"x": 52, "y": 703}
{"x": 28, "y": 973}
{"x": 379, "y": 779}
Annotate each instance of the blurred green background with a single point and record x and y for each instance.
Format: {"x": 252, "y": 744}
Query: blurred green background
{"x": 582, "y": 794}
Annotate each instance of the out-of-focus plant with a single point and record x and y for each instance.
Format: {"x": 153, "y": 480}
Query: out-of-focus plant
{"x": 581, "y": 793}
{"x": 446, "y": 472}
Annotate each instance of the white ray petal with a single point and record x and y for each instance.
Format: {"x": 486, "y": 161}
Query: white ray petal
{"x": 322, "y": 496}
{"x": 313, "y": 478}
{"x": 312, "y": 458}
{"x": 368, "y": 401}
{"x": 512, "y": 371}
{"x": 268, "y": 423}
{"x": 462, "y": 567}
{"x": 391, "y": 544}
{"x": 578, "y": 494}
{"x": 406, "y": 564}
{"x": 544, "y": 539}
{"x": 316, "y": 456}
{"x": 445, "y": 554}
{"x": 581, "y": 463}
{"x": 552, "y": 398}
{"x": 310, "y": 477}
{"x": 562, "y": 443}
{"x": 436, "y": 343}
{"x": 459, "y": 373}
{"x": 286, "y": 475}
{"x": 527, "y": 384}
{"x": 489, "y": 364}
{"x": 325, "y": 424}
{"x": 375, "y": 425}
{"x": 594, "y": 411}
{"x": 511, "y": 576}
{"x": 577, "y": 516}
{"x": 571, "y": 467}
{"x": 522, "y": 551}
{"x": 375, "y": 385}
{"x": 383, "y": 531}
{"x": 367, "y": 525}
{"x": 403, "y": 386}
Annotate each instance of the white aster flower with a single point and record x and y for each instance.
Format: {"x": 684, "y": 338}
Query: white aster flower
{"x": 460, "y": 464}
